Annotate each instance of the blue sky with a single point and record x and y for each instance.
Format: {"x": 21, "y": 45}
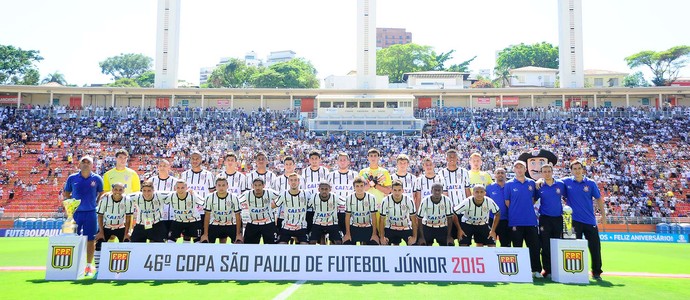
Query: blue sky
{"x": 74, "y": 35}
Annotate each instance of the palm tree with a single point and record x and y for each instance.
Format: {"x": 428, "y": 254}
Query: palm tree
{"x": 56, "y": 77}
{"x": 503, "y": 77}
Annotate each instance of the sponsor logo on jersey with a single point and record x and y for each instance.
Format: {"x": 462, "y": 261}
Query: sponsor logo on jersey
{"x": 62, "y": 257}
{"x": 508, "y": 264}
{"x": 573, "y": 261}
{"x": 119, "y": 261}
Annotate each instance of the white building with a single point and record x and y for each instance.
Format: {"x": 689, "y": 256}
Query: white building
{"x": 571, "y": 67}
{"x": 533, "y": 77}
{"x": 167, "y": 44}
{"x": 437, "y": 80}
{"x": 252, "y": 59}
{"x": 280, "y": 56}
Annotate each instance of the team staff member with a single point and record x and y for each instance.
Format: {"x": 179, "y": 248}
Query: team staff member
{"x": 261, "y": 224}
{"x": 87, "y": 187}
{"x": 293, "y": 202}
{"x": 397, "y": 214}
{"x": 361, "y": 223}
{"x": 150, "y": 206}
{"x": 475, "y": 218}
{"x": 222, "y": 219}
{"x": 436, "y": 212}
{"x": 496, "y": 192}
{"x": 580, "y": 191}
{"x": 114, "y": 218}
{"x": 520, "y": 196}
{"x": 550, "y": 194}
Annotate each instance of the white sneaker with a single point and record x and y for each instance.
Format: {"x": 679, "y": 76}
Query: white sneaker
{"x": 537, "y": 275}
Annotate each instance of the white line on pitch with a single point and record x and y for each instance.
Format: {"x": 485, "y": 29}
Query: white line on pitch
{"x": 288, "y": 291}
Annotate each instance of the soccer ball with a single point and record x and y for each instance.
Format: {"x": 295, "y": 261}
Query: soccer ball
{"x": 567, "y": 210}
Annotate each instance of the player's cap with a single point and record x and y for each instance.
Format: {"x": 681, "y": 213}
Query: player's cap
{"x": 87, "y": 157}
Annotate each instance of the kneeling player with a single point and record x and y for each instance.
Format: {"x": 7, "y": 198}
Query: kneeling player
{"x": 325, "y": 206}
{"x": 184, "y": 204}
{"x": 261, "y": 224}
{"x": 436, "y": 212}
{"x": 360, "y": 216}
{"x": 222, "y": 219}
{"x": 293, "y": 203}
{"x": 114, "y": 218}
{"x": 475, "y": 218}
{"x": 149, "y": 206}
{"x": 397, "y": 212}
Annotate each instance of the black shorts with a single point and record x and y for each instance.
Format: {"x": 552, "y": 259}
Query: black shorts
{"x": 108, "y": 233}
{"x": 285, "y": 235}
{"x": 440, "y": 234}
{"x": 188, "y": 229}
{"x": 221, "y": 232}
{"x": 155, "y": 234}
{"x": 309, "y": 217}
{"x": 479, "y": 233}
{"x": 362, "y": 235}
{"x": 491, "y": 242}
{"x": 341, "y": 222}
{"x": 397, "y": 236}
{"x": 253, "y": 233}
{"x": 279, "y": 223}
{"x": 332, "y": 230}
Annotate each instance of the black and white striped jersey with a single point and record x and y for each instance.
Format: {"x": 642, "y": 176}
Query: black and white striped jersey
{"x": 398, "y": 214}
{"x": 268, "y": 177}
{"x": 342, "y": 185}
{"x": 408, "y": 180}
{"x": 184, "y": 207}
{"x": 312, "y": 179}
{"x": 474, "y": 214}
{"x": 325, "y": 211}
{"x": 237, "y": 183}
{"x": 165, "y": 186}
{"x": 280, "y": 184}
{"x": 361, "y": 210}
{"x": 149, "y": 211}
{"x": 222, "y": 209}
{"x": 456, "y": 182}
{"x": 259, "y": 207}
{"x": 201, "y": 183}
{"x": 114, "y": 212}
{"x": 294, "y": 208}
{"x": 423, "y": 184}
{"x": 435, "y": 214}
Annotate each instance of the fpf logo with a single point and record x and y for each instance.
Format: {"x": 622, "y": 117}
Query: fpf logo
{"x": 62, "y": 257}
{"x": 119, "y": 261}
{"x": 573, "y": 261}
{"x": 508, "y": 264}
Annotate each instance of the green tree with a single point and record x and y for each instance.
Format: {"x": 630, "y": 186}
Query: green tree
{"x": 267, "y": 78}
{"x": 16, "y": 63}
{"x": 503, "y": 77}
{"x": 124, "y": 82}
{"x": 399, "y": 59}
{"x": 31, "y": 77}
{"x": 56, "y": 77}
{"x": 541, "y": 54}
{"x": 146, "y": 79}
{"x": 126, "y": 65}
{"x": 665, "y": 65}
{"x": 635, "y": 80}
{"x": 233, "y": 74}
{"x": 296, "y": 73}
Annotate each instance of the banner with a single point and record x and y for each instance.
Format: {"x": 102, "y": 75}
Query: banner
{"x": 643, "y": 237}
{"x": 28, "y": 232}
{"x": 8, "y": 99}
{"x": 162, "y": 261}
{"x": 508, "y": 101}
{"x": 483, "y": 100}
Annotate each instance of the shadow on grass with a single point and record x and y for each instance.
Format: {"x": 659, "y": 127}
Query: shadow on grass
{"x": 90, "y": 281}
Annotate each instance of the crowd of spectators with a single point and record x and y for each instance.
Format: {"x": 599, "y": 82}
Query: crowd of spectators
{"x": 639, "y": 155}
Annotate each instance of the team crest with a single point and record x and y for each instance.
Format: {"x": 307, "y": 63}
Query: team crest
{"x": 62, "y": 257}
{"x": 573, "y": 261}
{"x": 119, "y": 261}
{"x": 558, "y": 191}
{"x": 508, "y": 264}
{"x": 366, "y": 205}
{"x": 93, "y": 183}
{"x": 403, "y": 209}
{"x": 586, "y": 188}
{"x": 530, "y": 188}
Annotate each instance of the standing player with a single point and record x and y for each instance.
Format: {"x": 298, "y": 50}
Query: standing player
{"x": 282, "y": 184}
{"x": 294, "y": 203}
{"x": 187, "y": 219}
{"x": 580, "y": 191}
{"x": 397, "y": 213}
{"x": 261, "y": 224}
{"x": 164, "y": 183}
{"x": 150, "y": 206}
{"x": 496, "y": 191}
{"x": 436, "y": 213}
{"x": 237, "y": 182}
{"x": 550, "y": 194}
{"x": 261, "y": 171}
{"x": 422, "y": 187}
{"x": 312, "y": 175}
{"x": 401, "y": 173}
{"x": 361, "y": 223}
{"x": 475, "y": 218}
{"x": 87, "y": 187}
{"x": 114, "y": 218}
{"x": 325, "y": 206}
{"x": 378, "y": 178}
{"x": 122, "y": 174}
{"x": 201, "y": 182}
{"x": 456, "y": 182}
{"x": 222, "y": 219}
{"x": 520, "y": 196}
{"x": 476, "y": 175}
{"x": 342, "y": 181}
